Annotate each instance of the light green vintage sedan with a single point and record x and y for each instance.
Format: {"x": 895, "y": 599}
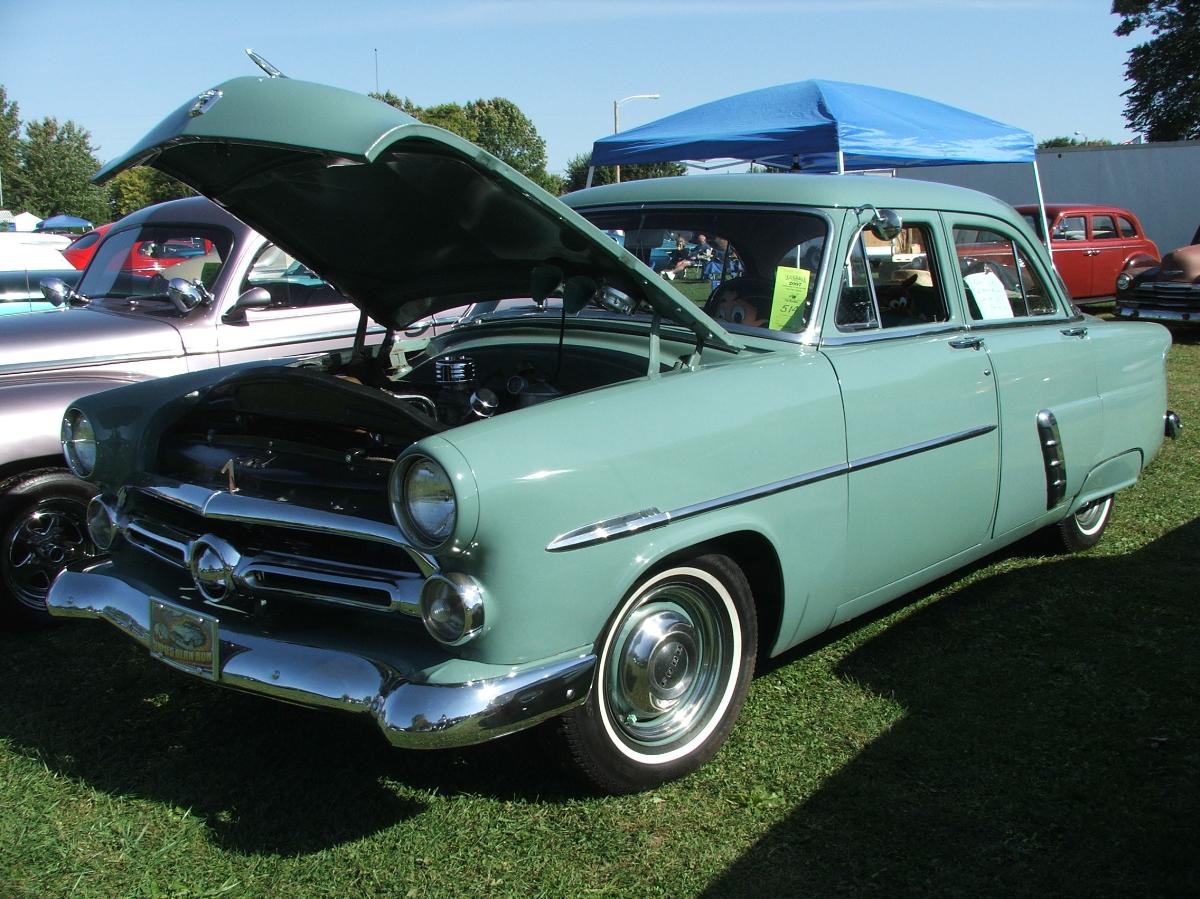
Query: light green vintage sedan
{"x": 604, "y": 493}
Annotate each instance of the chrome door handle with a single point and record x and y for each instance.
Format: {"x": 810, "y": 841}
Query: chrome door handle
{"x": 967, "y": 343}
{"x": 1091, "y": 252}
{"x": 1074, "y": 332}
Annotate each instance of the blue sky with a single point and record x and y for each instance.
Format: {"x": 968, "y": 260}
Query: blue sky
{"x": 1052, "y": 67}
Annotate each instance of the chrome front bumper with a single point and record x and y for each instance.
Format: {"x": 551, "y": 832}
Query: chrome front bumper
{"x": 412, "y": 709}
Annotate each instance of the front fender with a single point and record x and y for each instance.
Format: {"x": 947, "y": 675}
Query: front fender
{"x": 706, "y": 442}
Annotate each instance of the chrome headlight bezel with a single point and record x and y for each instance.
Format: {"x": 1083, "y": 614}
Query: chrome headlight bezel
{"x": 452, "y": 608}
{"x": 79, "y": 443}
{"x": 423, "y": 500}
{"x": 1124, "y": 281}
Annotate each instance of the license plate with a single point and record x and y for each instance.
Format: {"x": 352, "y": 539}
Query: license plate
{"x": 184, "y": 638}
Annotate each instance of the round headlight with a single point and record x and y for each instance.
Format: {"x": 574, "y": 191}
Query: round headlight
{"x": 426, "y": 504}
{"x": 1124, "y": 280}
{"x": 79, "y": 443}
{"x": 452, "y": 608}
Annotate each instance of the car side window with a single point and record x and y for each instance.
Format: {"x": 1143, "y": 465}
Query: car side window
{"x": 891, "y": 284}
{"x": 1104, "y": 227}
{"x": 291, "y": 284}
{"x": 1071, "y": 227}
{"x": 998, "y": 281}
{"x": 1125, "y": 227}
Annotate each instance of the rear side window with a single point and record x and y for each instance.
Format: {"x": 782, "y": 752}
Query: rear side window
{"x": 1104, "y": 227}
{"x": 1126, "y": 227}
{"x": 890, "y": 284}
{"x": 998, "y": 281}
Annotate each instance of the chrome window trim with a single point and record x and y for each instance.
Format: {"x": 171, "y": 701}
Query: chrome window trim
{"x": 648, "y": 519}
{"x": 875, "y": 335}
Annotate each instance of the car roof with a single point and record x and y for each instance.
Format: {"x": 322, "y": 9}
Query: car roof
{"x": 1059, "y": 208}
{"x": 190, "y": 210}
{"x": 831, "y": 191}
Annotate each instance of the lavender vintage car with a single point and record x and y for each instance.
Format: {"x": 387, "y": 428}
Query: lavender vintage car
{"x": 605, "y": 509}
{"x": 234, "y": 297}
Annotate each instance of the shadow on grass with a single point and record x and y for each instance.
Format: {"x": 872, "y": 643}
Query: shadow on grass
{"x": 1050, "y": 744}
{"x": 264, "y": 777}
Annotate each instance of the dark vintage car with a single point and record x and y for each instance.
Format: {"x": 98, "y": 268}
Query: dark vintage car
{"x": 242, "y": 298}
{"x": 1168, "y": 292}
{"x": 1092, "y": 246}
{"x": 604, "y": 508}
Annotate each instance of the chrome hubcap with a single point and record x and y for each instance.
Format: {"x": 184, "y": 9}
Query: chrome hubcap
{"x": 39, "y": 547}
{"x": 670, "y": 661}
{"x": 1091, "y": 516}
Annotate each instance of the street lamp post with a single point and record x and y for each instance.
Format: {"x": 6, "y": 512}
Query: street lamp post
{"x": 617, "y": 121}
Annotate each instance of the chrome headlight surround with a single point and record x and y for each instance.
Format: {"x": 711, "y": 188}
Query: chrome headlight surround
{"x": 452, "y": 608}
{"x": 102, "y": 523}
{"x": 423, "y": 500}
{"x": 1124, "y": 280}
{"x": 79, "y": 443}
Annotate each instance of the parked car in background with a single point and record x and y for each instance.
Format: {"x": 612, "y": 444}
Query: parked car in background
{"x": 79, "y": 252}
{"x": 1092, "y": 246}
{"x": 1168, "y": 292}
{"x": 233, "y": 297}
{"x": 25, "y": 260}
{"x": 604, "y": 511}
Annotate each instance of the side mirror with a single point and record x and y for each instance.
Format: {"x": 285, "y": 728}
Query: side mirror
{"x": 254, "y": 298}
{"x": 55, "y": 290}
{"x": 884, "y": 223}
{"x": 185, "y": 295}
{"x": 613, "y": 300}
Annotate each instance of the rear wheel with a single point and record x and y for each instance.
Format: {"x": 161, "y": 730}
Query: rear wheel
{"x": 673, "y": 668}
{"x": 43, "y": 527}
{"x": 1083, "y": 529}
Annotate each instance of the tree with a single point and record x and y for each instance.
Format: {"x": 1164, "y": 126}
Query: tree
{"x": 496, "y": 125}
{"x": 1164, "y": 102}
{"x": 10, "y": 149}
{"x": 1065, "y": 141}
{"x": 577, "y": 167}
{"x": 57, "y": 163}
{"x": 136, "y": 188}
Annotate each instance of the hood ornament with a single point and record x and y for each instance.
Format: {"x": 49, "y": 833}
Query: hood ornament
{"x": 264, "y": 65}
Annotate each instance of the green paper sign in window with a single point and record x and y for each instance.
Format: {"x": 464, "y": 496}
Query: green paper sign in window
{"x": 789, "y": 301}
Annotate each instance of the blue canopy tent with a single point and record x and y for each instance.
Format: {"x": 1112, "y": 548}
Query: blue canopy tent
{"x": 64, "y": 223}
{"x": 822, "y": 126}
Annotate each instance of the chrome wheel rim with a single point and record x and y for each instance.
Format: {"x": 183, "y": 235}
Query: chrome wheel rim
{"x": 1091, "y": 517}
{"x": 669, "y": 665}
{"x": 50, "y": 536}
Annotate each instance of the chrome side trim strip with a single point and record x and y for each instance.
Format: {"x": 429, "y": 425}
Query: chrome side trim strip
{"x": 223, "y": 506}
{"x": 648, "y": 519}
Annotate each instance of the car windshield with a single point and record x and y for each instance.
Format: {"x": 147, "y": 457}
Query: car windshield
{"x": 749, "y": 269}
{"x": 137, "y": 263}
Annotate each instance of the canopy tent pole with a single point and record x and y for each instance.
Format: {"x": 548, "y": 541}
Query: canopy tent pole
{"x": 841, "y": 162}
{"x": 591, "y": 172}
{"x": 1037, "y": 180}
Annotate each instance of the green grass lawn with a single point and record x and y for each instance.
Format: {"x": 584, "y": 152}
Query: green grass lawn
{"x": 1030, "y": 728}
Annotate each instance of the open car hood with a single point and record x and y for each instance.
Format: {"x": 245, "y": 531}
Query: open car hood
{"x": 404, "y": 218}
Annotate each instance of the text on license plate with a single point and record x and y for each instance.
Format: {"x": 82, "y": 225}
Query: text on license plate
{"x": 184, "y": 638}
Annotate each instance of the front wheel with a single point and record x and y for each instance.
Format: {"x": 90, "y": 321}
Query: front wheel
{"x": 43, "y": 527}
{"x": 674, "y": 664}
{"x": 1083, "y": 529}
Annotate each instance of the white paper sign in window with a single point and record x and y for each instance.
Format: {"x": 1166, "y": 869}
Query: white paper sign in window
{"x": 990, "y": 295}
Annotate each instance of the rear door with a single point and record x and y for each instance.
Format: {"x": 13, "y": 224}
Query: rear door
{"x": 1043, "y": 362}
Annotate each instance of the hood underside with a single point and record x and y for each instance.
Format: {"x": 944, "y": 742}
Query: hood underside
{"x": 404, "y": 218}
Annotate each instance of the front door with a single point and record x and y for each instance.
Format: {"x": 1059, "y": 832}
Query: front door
{"x": 921, "y": 417}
